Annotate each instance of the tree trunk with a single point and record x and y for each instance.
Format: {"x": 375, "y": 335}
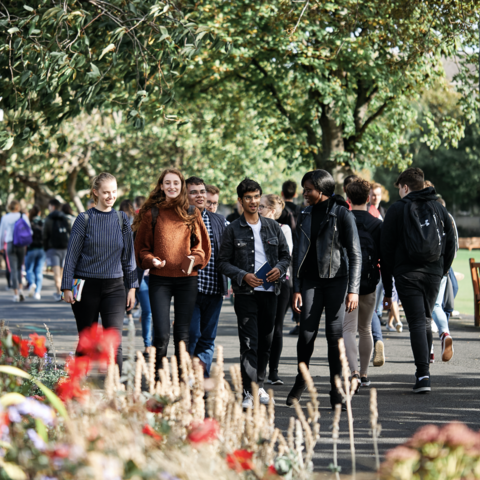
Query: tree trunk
{"x": 72, "y": 190}
{"x": 43, "y": 194}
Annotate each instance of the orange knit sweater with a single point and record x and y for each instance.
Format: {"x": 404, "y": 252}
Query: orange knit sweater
{"x": 171, "y": 243}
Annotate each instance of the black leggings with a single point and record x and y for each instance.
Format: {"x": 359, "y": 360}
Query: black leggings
{"x": 184, "y": 292}
{"x": 284, "y": 300}
{"x": 328, "y": 293}
{"x": 107, "y": 298}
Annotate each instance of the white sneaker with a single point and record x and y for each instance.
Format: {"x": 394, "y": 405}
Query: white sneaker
{"x": 31, "y": 290}
{"x": 264, "y": 397}
{"x": 390, "y": 329}
{"x": 399, "y": 327}
{"x": 56, "y": 296}
{"x": 137, "y": 313}
{"x": 37, "y": 296}
{"x": 247, "y": 400}
{"x": 16, "y": 298}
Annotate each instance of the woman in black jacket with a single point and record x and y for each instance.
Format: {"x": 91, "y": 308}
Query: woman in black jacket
{"x": 327, "y": 262}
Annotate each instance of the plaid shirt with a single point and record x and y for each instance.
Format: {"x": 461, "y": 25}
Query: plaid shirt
{"x": 208, "y": 277}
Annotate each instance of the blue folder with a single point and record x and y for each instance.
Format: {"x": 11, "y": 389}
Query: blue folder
{"x": 261, "y": 273}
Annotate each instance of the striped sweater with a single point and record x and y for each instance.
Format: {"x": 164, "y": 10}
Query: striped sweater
{"x": 100, "y": 249}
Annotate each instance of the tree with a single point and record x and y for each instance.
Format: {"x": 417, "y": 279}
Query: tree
{"x": 339, "y": 78}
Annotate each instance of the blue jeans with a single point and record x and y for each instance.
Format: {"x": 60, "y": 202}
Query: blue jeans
{"x": 379, "y": 301}
{"x": 34, "y": 262}
{"x": 376, "y": 328}
{"x": 438, "y": 314}
{"x": 144, "y": 300}
{"x": 203, "y": 328}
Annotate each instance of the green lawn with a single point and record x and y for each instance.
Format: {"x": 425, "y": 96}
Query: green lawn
{"x": 464, "y": 299}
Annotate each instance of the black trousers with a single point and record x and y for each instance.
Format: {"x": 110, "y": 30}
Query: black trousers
{"x": 328, "y": 293}
{"x": 184, "y": 293}
{"x": 418, "y": 292}
{"x": 284, "y": 300}
{"x": 104, "y": 297}
{"x": 256, "y": 322}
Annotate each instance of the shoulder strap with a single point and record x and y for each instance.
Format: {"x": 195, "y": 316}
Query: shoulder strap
{"x": 120, "y": 219}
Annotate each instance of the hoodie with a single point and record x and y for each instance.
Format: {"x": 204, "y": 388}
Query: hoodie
{"x": 395, "y": 258}
{"x": 48, "y": 232}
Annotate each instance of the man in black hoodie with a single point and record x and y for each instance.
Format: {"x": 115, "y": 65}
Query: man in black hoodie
{"x": 417, "y": 281}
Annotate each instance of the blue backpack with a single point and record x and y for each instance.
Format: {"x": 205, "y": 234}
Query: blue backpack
{"x": 22, "y": 234}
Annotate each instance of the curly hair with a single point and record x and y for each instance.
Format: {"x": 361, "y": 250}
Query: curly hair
{"x": 157, "y": 198}
{"x": 275, "y": 203}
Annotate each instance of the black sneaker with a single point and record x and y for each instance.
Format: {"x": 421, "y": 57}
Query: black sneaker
{"x": 364, "y": 382}
{"x": 297, "y": 390}
{"x": 357, "y": 376}
{"x": 273, "y": 378}
{"x": 422, "y": 386}
{"x": 335, "y": 398}
{"x": 295, "y": 330}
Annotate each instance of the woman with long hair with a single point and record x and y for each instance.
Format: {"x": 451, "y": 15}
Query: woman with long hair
{"x": 327, "y": 263}
{"x": 127, "y": 207}
{"x": 170, "y": 236}
{"x": 100, "y": 251}
{"x": 271, "y": 206}
{"x": 35, "y": 259}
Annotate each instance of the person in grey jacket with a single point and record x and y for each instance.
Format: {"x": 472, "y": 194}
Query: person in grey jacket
{"x": 248, "y": 243}
{"x": 327, "y": 261}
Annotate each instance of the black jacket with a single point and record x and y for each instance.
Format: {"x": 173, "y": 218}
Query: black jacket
{"x": 237, "y": 253}
{"x": 395, "y": 259}
{"x": 218, "y": 228}
{"x": 337, "y": 244}
{"x": 47, "y": 227}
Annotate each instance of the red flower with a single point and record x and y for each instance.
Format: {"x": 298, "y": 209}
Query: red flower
{"x": 38, "y": 344}
{"x": 205, "y": 431}
{"x": 16, "y": 339}
{"x": 62, "y": 451}
{"x": 154, "y": 405}
{"x": 148, "y": 430}
{"x": 78, "y": 367}
{"x": 39, "y": 398}
{"x": 69, "y": 388}
{"x": 272, "y": 470}
{"x": 240, "y": 460}
{"x": 1, "y": 352}
{"x": 97, "y": 343}
{"x": 4, "y": 419}
{"x": 24, "y": 348}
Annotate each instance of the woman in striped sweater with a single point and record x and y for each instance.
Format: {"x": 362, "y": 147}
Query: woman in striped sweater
{"x": 100, "y": 251}
{"x": 167, "y": 233}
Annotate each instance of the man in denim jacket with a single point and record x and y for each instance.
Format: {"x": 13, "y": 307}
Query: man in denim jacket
{"x": 247, "y": 244}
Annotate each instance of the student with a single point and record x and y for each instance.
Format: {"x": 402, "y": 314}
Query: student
{"x": 138, "y": 202}
{"x": 167, "y": 233}
{"x": 68, "y": 212}
{"x": 418, "y": 247}
{"x": 360, "y": 319}
{"x": 15, "y": 253}
{"x": 127, "y": 207}
{"x": 100, "y": 251}
{"x": 247, "y": 244}
{"x": 56, "y": 235}
{"x": 327, "y": 263}
{"x": 346, "y": 181}
{"x": 375, "y": 208}
{"x": 213, "y": 195}
{"x": 35, "y": 259}
{"x": 212, "y": 285}
{"x": 272, "y": 206}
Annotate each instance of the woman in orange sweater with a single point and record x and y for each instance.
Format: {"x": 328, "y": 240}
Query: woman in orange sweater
{"x": 169, "y": 233}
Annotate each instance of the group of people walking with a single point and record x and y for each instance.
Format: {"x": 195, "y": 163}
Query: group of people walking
{"x": 326, "y": 256}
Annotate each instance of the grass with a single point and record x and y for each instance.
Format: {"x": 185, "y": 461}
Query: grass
{"x": 464, "y": 299}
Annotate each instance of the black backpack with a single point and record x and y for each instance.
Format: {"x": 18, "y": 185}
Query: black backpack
{"x": 370, "y": 273}
{"x": 37, "y": 229}
{"x": 423, "y": 231}
{"x": 60, "y": 232}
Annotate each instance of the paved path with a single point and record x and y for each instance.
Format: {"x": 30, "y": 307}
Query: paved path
{"x": 455, "y": 385}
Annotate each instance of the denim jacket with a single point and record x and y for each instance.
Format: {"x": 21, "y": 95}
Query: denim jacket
{"x": 237, "y": 253}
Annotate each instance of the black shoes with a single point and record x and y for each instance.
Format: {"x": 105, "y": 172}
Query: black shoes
{"x": 297, "y": 390}
{"x": 422, "y": 386}
{"x": 295, "y": 330}
{"x": 357, "y": 376}
{"x": 335, "y": 398}
{"x": 273, "y": 378}
{"x": 364, "y": 382}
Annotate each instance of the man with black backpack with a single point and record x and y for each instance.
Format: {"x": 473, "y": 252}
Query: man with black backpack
{"x": 369, "y": 231}
{"x": 418, "y": 247}
{"x": 56, "y": 234}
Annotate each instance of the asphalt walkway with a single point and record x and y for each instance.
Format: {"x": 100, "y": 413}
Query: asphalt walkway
{"x": 455, "y": 385}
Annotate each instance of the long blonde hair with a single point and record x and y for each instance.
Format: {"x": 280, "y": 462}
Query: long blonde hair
{"x": 275, "y": 203}
{"x": 97, "y": 182}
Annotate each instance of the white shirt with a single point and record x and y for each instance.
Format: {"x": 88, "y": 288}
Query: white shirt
{"x": 260, "y": 257}
{"x": 7, "y": 225}
{"x": 287, "y": 231}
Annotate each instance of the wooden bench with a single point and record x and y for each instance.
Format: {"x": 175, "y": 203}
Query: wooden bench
{"x": 469, "y": 243}
{"x": 475, "y": 271}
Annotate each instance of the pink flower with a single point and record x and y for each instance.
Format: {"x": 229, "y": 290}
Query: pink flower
{"x": 426, "y": 434}
{"x": 205, "y": 431}
{"x": 402, "y": 454}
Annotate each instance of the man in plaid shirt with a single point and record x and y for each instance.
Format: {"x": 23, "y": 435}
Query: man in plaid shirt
{"x": 212, "y": 285}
